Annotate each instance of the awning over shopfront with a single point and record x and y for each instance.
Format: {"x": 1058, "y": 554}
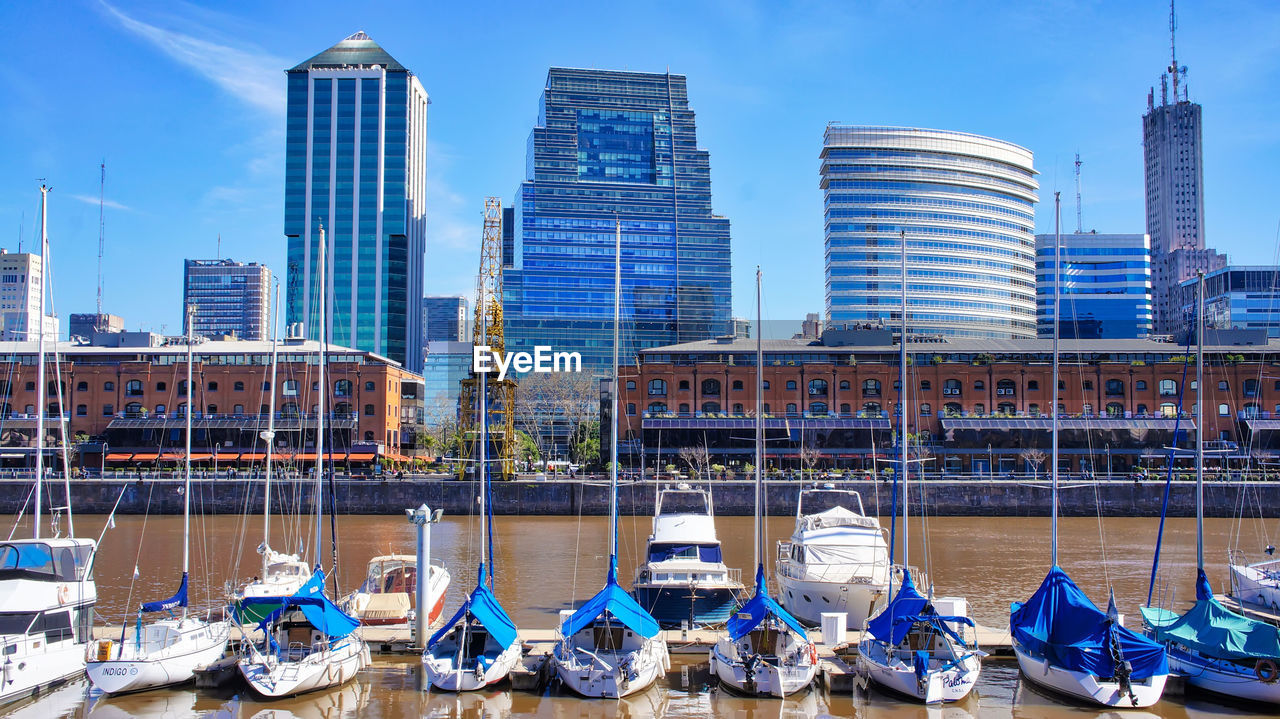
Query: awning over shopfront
{"x": 1069, "y": 423}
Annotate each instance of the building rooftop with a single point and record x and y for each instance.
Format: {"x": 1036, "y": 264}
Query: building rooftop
{"x": 357, "y": 50}
{"x": 177, "y": 346}
{"x": 963, "y": 346}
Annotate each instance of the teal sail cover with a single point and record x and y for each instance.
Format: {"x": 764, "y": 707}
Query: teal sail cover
{"x": 1213, "y": 630}
{"x": 907, "y": 609}
{"x": 614, "y": 601}
{"x": 759, "y": 608}
{"x": 320, "y": 612}
{"x": 1061, "y": 624}
{"x": 484, "y": 607}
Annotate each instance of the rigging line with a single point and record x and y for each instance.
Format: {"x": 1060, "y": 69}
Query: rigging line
{"x": 142, "y": 535}
{"x": 1164, "y": 503}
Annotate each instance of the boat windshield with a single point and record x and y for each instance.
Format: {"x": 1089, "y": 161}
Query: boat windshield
{"x": 694, "y": 552}
{"x": 39, "y": 561}
{"x": 683, "y": 501}
{"x": 16, "y": 622}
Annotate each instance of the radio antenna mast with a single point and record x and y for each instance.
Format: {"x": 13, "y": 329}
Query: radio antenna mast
{"x": 1079, "y": 201}
{"x": 102, "y": 238}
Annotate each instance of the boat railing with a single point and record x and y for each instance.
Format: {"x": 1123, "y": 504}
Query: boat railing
{"x": 735, "y": 575}
{"x": 828, "y": 489}
{"x": 841, "y": 572}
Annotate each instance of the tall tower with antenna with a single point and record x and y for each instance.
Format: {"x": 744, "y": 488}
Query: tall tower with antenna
{"x": 102, "y": 238}
{"x": 1173, "y": 157}
{"x": 1079, "y": 199}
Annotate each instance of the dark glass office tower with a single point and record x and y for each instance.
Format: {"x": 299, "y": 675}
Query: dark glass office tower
{"x": 356, "y": 165}
{"x": 615, "y": 145}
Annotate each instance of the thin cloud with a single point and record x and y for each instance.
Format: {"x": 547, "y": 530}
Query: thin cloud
{"x": 90, "y": 200}
{"x": 251, "y": 75}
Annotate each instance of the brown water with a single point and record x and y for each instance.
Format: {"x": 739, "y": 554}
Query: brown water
{"x": 547, "y": 563}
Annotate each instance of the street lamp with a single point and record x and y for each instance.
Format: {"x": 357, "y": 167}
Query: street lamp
{"x": 1108, "y": 460}
{"x": 420, "y": 518}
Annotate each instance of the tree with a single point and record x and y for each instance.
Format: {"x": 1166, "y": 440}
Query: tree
{"x": 697, "y": 459}
{"x": 809, "y": 457}
{"x": 551, "y": 405}
{"x": 526, "y": 448}
{"x": 1035, "y": 457}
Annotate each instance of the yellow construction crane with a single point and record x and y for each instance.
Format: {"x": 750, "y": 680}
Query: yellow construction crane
{"x": 487, "y": 330}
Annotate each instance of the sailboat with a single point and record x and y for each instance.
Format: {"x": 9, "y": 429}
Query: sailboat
{"x": 308, "y": 642}
{"x": 765, "y": 650}
{"x": 611, "y": 647}
{"x": 47, "y": 591}
{"x": 479, "y": 645}
{"x": 911, "y": 648}
{"x": 1212, "y": 647}
{"x": 1063, "y": 642}
{"x": 166, "y": 651}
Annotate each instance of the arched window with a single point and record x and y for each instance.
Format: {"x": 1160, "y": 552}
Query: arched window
{"x": 818, "y": 408}
{"x": 290, "y": 388}
{"x": 368, "y": 410}
{"x": 342, "y": 388}
{"x": 872, "y": 408}
{"x": 1140, "y": 385}
{"x": 161, "y": 386}
{"x": 238, "y": 386}
{"x": 1168, "y": 388}
{"x": 1114, "y": 388}
{"x": 1033, "y": 385}
{"x": 213, "y": 386}
{"x": 791, "y": 408}
{"x": 82, "y": 410}
{"x": 1142, "y": 410}
{"x": 817, "y": 388}
{"x": 952, "y": 409}
{"x": 925, "y": 409}
{"x": 655, "y": 407}
{"x": 1251, "y": 388}
{"x": 926, "y": 385}
{"x": 1115, "y": 409}
{"x": 368, "y": 386}
{"x": 1006, "y": 388}
{"x": 368, "y": 436}
{"x": 979, "y": 409}
{"x": 1224, "y": 410}
{"x": 160, "y": 409}
{"x": 133, "y": 409}
{"x": 266, "y": 386}
{"x": 1223, "y": 386}
{"x": 31, "y": 410}
{"x": 844, "y": 384}
{"x": 871, "y": 388}
{"x": 631, "y": 384}
{"x": 631, "y": 406}
{"x": 1251, "y": 410}
{"x": 710, "y": 406}
{"x": 979, "y": 385}
{"x": 211, "y": 409}
{"x": 290, "y": 409}
{"x": 684, "y": 384}
{"x": 106, "y": 386}
{"x": 52, "y": 410}
{"x": 1168, "y": 409}
{"x": 657, "y": 388}
{"x": 182, "y": 387}
{"x": 791, "y": 384}
{"x": 710, "y": 388}
{"x": 737, "y": 408}
{"x": 684, "y": 408}
{"x": 737, "y": 384}
{"x": 951, "y": 388}
{"x": 80, "y": 387}
{"x": 1006, "y": 408}
{"x": 340, "y": 409}
{"x": 133, "y": 388}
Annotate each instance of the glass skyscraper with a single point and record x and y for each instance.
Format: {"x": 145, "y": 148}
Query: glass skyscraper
{"x": 355, "y": 164}
{"x": 1105, "y": 286}
{"x": 966, "y": 204}
{"x": 615, "y": 146}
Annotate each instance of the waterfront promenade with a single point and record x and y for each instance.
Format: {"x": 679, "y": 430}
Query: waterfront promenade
{"x": 1015, "y": 497}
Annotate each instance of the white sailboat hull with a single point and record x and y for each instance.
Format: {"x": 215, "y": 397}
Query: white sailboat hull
{"x": 891, "y": 671}
{"x": 135, "y": 668}
{"x": 1222, "y": 677}
{"x": 271, "y": 677}
{"x": 762, "y": 678}
{"x": 1086, "y": 687}
{"x": 605, "y": 675}
{"x": 809, "y": 600}
{"x": 1256, "y": 584}
{"x": 444, "y": 673}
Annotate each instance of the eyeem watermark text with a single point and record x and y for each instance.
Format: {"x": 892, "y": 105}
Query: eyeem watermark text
{"x": 484, "y": 359}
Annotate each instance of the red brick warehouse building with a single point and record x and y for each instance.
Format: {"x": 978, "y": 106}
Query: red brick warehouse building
{"x": 978, "y": 406}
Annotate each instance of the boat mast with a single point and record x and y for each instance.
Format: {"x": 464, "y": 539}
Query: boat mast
{"x": 483, "y": 466}
{"x": 186, "y": 464}
{"x": 1057, "y": 323}
{"x": 40, "y": 391}
{"x": 324, "y": 293}
{"x": 1200, "y": 421}
{"x": 902, "y": 398}
{"x": 613, "y": 399}
{"x": 759, "y": 542}
{"x": 270, "y": 437}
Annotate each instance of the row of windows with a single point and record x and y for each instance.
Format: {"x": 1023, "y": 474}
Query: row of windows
{"x": 134, "y": 388}
{"x": 136, "y": 409}
{"x": 1004, "y": 387}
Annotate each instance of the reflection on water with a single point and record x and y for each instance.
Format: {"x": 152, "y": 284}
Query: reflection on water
{"x": 549, "y": 563}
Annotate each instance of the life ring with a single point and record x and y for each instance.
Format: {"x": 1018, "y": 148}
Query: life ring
{"x": 64, "y": 594}
{"x": 1266, "y": 671}
{"x": 813, "y": 653}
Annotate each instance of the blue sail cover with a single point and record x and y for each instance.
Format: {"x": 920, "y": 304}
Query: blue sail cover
{"x": 1060, "y": 624}
{"x": 484, "y": 607}
{"x": 179, "y": 599}
{"x": 612, "y": 600}
{"x": 320, "y": 612}
{"x": 908, "y": 608}
{"x": 759, "y": 608}
{"x": 1215, "y": 631}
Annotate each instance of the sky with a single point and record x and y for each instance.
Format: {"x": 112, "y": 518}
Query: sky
{"x": 185, "y": 103}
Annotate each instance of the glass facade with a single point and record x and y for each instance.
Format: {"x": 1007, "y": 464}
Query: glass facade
{"x": 615, "y": 145}
{"x": 444, "y": 318}
{"x": 966, "y": 206}
{"x": 229, "y": 297}
{"x": 447, "y": 364}
{"x": 1104, "y": 287}
{"x": 1236, "y": 297}
{"x": 355, "y": 164}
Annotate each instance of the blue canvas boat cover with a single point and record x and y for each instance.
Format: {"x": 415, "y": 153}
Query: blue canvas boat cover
{"x": 614, "y": 601}
{"x": 320, "y": 612}
{"x": 1213, "y": 630}
{"x": 759, "y": 608}
{"x": 908, "y": 608}
{"x": 483, "y": 606}
{"x": 1060, "y": 624}
{"x": 179, "y": 599}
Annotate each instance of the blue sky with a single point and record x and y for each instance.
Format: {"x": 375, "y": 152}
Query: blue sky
{"x": 186, "y": 104}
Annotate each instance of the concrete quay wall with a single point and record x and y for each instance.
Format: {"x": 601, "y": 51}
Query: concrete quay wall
{"x": 998, "y": 498}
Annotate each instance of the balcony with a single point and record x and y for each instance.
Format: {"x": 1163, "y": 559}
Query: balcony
{"x": 283, "y": 422}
